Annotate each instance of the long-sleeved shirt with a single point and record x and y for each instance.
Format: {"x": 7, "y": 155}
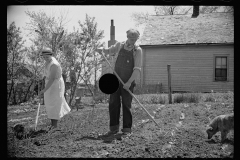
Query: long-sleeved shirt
{"x": 137, "y": 53}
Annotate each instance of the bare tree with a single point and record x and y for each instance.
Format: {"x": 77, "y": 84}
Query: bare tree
{"x": 170, "y": 10}
{"x": 48, "y": 30}
{"x": 78, "y": 50}
{"x": 141, "y": 17}
{"x": 88, "y": 40}
{"x": 15, "y": 60}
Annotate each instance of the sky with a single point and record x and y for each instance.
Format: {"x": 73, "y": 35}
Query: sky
{"x": 103, "y": 16}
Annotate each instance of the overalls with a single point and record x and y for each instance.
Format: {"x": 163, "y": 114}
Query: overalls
{"x": 124, "y": 68}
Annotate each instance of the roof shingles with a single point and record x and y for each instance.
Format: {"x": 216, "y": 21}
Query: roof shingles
{"x": 182, "y": 29}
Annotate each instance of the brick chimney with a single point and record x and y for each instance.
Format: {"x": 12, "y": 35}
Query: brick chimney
{"x": 112, "y": 35}
{"x": 195, "y": 11}
{"x": 112, "y": 41}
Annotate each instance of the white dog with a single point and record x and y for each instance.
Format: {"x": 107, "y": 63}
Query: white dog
{"x": 222, "y": 123}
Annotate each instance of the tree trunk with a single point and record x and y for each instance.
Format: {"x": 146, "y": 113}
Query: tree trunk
{"x": 20, "y": 93}
{"x": 10, "y": 92}
{"x": 12, "y": 72}
{"x": 85, "y": 81}
{"x": 14, "y": 96}
{"x": 39, "y": 89}
{"x": 71, "y": 95}
{"x": 73, "y": 90}
{"x": 73, "y": 85}
{"x": 28, "y": 91}
{"x": 95, "y": 75}
{"x": 64, "y": 79}
{"x": 43, "y": 86}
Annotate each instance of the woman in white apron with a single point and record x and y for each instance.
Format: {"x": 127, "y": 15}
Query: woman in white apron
{"x": 55, "y": 103}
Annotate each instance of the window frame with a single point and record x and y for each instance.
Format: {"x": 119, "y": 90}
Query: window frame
{"x": 214, "y": 66}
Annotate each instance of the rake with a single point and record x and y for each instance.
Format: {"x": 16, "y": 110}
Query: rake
{"x": 129, "y": 90}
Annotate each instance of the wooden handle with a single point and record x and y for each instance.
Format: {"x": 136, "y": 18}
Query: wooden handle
{"x": 36, "y": 121}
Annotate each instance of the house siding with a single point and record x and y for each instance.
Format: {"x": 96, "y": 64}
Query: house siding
{"x": 192, "y": 67}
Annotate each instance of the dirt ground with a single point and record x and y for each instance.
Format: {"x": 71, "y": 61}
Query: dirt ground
{"x": 182, "y": 133}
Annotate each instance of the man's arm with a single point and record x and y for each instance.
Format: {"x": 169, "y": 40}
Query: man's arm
{"x": 111, "y": 50}
{"x": 133, "y": 76}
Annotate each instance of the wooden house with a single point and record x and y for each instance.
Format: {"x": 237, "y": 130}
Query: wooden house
{"x": 200, "y": 51}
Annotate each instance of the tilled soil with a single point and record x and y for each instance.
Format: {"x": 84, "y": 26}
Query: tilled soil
{"x": 182, "y": 134}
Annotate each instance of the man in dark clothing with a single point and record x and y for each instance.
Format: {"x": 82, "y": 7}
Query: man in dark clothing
{"x": 128, "y": 58}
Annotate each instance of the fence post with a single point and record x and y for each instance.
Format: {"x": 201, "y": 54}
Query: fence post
{"x": 169, "y": 84}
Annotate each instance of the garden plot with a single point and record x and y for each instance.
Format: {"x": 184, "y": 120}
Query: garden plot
{"x": 181, "y": 133}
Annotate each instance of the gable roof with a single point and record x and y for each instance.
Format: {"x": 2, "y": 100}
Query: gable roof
{"x": 182, "y": 29}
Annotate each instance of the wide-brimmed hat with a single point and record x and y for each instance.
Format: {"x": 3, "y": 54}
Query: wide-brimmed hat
{"x": 133, "y": 33}
{"x": 46, "y": 52}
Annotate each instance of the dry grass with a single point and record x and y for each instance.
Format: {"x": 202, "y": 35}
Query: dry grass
{"x": 185, "y": 98}
{"x": 162, "y": 98}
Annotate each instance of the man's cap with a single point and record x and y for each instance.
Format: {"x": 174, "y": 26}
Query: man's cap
{"x": 133, "y": 33}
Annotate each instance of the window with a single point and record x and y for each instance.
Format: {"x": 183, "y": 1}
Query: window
{"x": 221, "y": 68}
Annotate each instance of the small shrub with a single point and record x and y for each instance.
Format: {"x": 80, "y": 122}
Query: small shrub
{"x": 209, "y": 98}
{"x": 162, "y": 100}
{"x": 144, "y": 99}
{"x": 101, "y": 98}
{"x": 193, "y": 98}
{"x": 151, "y": 99}
{"x": 227, "y": 96}
{"x": 154, "y": 100}
{"x": 157, "y": 99}
{"x": 186, "y": 98}
{"x": 178, "y": 98}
